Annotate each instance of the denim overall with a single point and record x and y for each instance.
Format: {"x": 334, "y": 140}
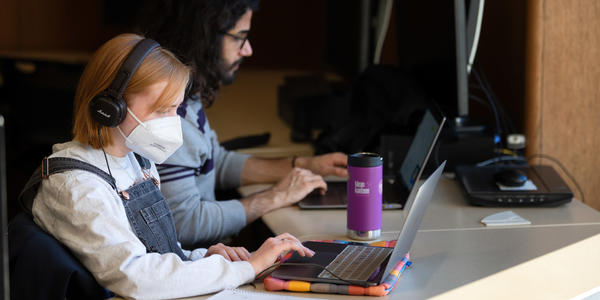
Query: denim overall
{"x": 145, "y": 206}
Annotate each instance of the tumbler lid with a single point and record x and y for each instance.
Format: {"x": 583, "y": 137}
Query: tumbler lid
{"x": 365, "y": 159}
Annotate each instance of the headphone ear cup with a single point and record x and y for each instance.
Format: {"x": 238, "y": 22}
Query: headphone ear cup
{"x": 108, "y": 110}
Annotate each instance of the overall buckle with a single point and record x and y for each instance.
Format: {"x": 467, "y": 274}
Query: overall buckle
{"x": 45, "y": 168}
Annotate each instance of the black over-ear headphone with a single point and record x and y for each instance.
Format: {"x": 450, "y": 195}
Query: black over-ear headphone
{"x": 108, "y": 108}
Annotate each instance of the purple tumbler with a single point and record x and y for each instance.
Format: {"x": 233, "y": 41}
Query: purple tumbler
{"x": 364, "y": 188}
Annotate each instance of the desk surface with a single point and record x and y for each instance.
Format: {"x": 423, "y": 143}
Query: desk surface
{"x": 448, "y": 211}
{"x": 457, "y": 257}
{"x": 509, "y": 263}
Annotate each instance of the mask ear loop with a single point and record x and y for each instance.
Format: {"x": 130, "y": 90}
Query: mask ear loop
{"x": 136, "y": 118}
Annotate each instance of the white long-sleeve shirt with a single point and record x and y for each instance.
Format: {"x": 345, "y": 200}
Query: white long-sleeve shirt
{"x": 83, "y": 212}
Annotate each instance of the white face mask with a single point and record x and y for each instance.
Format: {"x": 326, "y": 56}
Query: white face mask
{"x": 155, "y": 139}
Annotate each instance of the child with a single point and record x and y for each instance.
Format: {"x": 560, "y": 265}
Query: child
{"x": 112, "y": 215}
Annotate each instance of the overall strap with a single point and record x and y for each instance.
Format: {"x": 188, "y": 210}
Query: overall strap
{"x": 145, "y": 165}
{"x": 55, "y": 165}
{"x": 144, "y": 162}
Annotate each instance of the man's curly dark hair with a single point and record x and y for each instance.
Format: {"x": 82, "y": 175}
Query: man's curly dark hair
{"x": 191, "y": 29}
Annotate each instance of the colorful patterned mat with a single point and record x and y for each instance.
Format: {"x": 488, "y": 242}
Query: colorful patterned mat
{"x": 387, "y": 285}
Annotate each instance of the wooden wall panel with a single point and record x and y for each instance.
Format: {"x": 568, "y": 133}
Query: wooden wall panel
{"x": 563, "y": 88}
{"x": 9, "y": 24}
{"x": 58, "y": 25}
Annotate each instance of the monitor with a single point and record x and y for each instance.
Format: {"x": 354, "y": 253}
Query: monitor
{"x": 437, "y": 43}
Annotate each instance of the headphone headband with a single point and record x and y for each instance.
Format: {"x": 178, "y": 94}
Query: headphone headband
{"x": 108, "y": 108}
{"x": 131, "y": 64}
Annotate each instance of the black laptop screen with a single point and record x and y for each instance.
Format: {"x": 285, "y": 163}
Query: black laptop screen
{"x": 419, "y": 148}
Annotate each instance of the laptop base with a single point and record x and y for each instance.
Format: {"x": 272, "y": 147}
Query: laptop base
{"x": 338, "y": 201}
{"x": 325, "y": 253}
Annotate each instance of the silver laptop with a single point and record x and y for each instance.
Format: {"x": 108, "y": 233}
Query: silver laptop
{"x": 398, "y": 187}
{"x": 360, "y": 264}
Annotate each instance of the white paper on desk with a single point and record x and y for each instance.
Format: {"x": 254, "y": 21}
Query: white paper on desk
{"x": 236, "y": 294}
{"x": 504, "y": 218}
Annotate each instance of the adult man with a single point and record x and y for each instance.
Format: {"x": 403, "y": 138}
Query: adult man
{"x": 212, "y": 37}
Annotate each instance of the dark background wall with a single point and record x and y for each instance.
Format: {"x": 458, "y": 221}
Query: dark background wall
{"x": 53, "y": 39}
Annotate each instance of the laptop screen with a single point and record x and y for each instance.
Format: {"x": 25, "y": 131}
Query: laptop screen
{"x": 414, "y": 161}
{"x": 410, "y": 170}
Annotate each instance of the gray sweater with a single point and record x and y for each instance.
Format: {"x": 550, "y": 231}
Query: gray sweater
{"x": 189, "y": 178}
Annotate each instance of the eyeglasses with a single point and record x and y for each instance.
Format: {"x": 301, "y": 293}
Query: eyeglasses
{"x": 238, "y": 38}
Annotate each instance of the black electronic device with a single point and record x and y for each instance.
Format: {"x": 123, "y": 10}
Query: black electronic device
{"x": 510, "y": 177}
{"x": 542, "y": 186}
{"x": 249, "y": 141}
{"x": 109, "y": 108}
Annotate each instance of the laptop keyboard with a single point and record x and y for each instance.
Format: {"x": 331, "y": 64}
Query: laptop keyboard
{"x": 356, "y": 262}
{"x": 338, "y": 192}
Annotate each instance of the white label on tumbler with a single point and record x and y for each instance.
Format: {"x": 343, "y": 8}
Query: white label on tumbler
{"x": 359, "y": 188}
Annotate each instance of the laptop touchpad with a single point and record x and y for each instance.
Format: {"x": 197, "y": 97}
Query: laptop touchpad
{"x": 321, "y": 258}
{"x": 304, "y": 271}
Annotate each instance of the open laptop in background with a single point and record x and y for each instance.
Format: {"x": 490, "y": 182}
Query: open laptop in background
{"x": 5, "y": 287}
{"x": 398, "y": 187}
{"x": 358, "y": 264}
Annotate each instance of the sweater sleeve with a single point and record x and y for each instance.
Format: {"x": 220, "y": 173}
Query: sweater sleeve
{"x": 200, "y": 220}
{"x": 228, "y": 164}
{"x": 86, "y": 215}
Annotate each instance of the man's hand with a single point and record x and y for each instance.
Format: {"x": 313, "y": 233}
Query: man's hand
{"x": 230, "y": 253}
{"x": 289, "y": 190}
{"x": 326, "y": 164}
{"x": 295, "y": 186}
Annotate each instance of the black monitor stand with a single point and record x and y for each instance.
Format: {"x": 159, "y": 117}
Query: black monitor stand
{"x": 4, "y": 284}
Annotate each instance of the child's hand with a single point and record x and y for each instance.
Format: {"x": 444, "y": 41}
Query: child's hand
{"x": 230, "y": 253}
{"x": 273, "y": 248}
